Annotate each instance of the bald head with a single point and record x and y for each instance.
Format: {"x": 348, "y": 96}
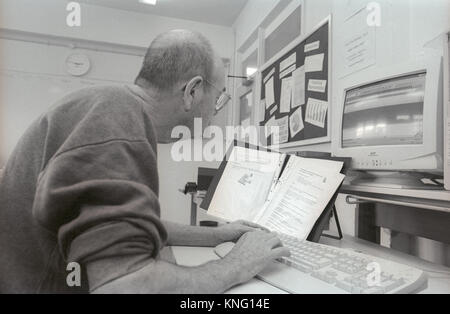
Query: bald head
{"x": 177, "y": 56}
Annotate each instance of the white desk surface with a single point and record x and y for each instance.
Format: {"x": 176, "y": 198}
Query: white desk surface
{"x": 438, "y": 276}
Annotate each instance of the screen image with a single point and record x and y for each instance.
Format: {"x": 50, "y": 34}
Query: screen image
{"x": 388, "y": 112}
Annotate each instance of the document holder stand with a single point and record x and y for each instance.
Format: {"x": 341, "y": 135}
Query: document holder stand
{"x": 329, "y": 211}
{"x": 323, "y": 221}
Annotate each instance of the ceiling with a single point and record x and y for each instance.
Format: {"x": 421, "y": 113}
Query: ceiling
{"x": 218, "y": 12}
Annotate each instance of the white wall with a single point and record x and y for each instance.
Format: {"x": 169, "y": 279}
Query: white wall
{"x": 104, "y": 24}
{"x": 38, "y": 58}
{"x": 34, "y": 78}
{"x": 28, "y": 61}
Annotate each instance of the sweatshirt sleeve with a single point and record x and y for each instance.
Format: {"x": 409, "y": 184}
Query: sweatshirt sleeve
{"x": 101, "y": 201}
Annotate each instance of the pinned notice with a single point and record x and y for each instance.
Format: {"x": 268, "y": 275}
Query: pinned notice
{"x": 269, "y": 127}
{"x": 286, "y": 95}
{"x": 289, "y": 61}
{"x": 314, "y": 63}
{"x": 269, "y": 75}
{"x": 281, "y": 132}
{"x": 296, "y": 122}
{"x": 288, "y": 71}
{"x": 312, "y": 46}
{"x": 298, "y": 82}
{"x": 262, "y": 110}
{"x": 270, "y": 93}
{"x": 317, "y": 86}
{"x": 316, "y": 112}
{"x": 358, "y": 49}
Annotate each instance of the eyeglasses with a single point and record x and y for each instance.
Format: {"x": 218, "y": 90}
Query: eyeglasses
{"x": 223, "y": 99}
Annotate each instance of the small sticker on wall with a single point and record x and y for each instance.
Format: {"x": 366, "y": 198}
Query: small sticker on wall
{"x": 312, "y": 46}
{"x": 318, "y": 86}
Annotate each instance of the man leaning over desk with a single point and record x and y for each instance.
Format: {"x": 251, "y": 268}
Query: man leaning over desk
{"x": 82, "y": 186}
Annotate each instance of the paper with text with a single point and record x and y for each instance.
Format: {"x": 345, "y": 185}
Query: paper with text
{"x": 314, "y": 63}
{"x": 298, "y": 82}
{"x": 318, "y": 86}
{"x": 358, "y": 47}
{"x": 281, "y": 131}
{"x": 289, "y": 61}
{"x": 304, "y": 190}
{"x": 270, "y": 93}
{"x": 316, "y": 112}
{"x": 286, "y": 95}
{"x": 312, "y": 46}
{"x": 288, "y": 71}
{"x": 296, "y": 122}
{"x": 245, "y": 184}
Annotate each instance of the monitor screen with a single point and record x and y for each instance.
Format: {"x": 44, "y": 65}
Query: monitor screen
{"x": 388, "y": 112}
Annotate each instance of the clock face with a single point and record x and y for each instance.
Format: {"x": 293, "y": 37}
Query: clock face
{"x": 78, "y": 64}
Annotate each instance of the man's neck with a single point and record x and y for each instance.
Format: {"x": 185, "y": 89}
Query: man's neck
{"x": 159, "y": 105}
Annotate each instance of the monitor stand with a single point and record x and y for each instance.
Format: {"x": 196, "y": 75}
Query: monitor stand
{"x": 398, "y": 180}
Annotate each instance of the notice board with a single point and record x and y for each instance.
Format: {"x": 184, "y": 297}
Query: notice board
{"x": 295, "y": 91}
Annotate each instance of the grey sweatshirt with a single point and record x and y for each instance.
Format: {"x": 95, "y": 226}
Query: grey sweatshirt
{"x": 81, "y": 186}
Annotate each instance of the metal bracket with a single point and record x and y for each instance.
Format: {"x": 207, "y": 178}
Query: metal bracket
{"x": 338, "y": 226}
{"x": 353, "y": 200}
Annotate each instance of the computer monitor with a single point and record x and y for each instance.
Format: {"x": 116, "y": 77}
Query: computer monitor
{"x": 393, "y": 120}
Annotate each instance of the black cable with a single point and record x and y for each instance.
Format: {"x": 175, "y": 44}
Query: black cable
{"x": 241, "y": 77}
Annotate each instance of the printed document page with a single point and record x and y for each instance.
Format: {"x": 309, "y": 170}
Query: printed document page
{"x": 245, "y": 184}
{"x": 303, "y": 192}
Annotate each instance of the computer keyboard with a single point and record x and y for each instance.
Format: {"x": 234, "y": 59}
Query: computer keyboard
{"x": 317, "y": 268}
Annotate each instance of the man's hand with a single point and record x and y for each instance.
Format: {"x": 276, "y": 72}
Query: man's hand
{"x": 253, "y": 252}
{"x": 232, "y": 232}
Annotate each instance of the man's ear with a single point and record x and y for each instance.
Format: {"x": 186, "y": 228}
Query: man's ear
{"x": 193, "y": 93}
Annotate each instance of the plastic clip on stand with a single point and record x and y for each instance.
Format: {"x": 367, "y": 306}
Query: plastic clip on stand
{"x": 191, "y": 188}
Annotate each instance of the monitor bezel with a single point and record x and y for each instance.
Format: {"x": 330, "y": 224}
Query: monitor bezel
{"x": 398, "y": 157}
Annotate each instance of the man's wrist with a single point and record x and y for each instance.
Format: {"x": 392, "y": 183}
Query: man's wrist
{"x": 217, "y": 235}
{"x": 228, "y": 271}
{"x": 220, "y": 235}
